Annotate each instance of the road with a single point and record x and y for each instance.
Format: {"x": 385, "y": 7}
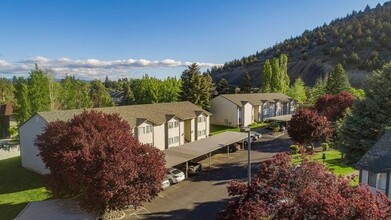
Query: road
{"x": 202, "y": 196}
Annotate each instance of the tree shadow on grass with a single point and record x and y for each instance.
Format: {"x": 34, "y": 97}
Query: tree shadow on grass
{"x": 204, "y": 211}
{"x": 15, "y": 178}
{"x": 10, "y": 211}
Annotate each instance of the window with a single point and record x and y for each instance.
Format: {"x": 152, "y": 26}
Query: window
{"x": 200, "y": 133}
{"x": 149, "y": 129}
{"x": 173, "y": 140}
{"x": 201, "y": 119}
{"x": 174, "y": 124}
{"x": 170, "y": 141}
{"x": 378, "y": 180}
{"x": 176, "y": 139}
{"x": 141, "y": 130}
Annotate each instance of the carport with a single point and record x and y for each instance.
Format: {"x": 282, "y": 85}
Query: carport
{"x": 189, "y": 151}
{"x": 284, "y": 118}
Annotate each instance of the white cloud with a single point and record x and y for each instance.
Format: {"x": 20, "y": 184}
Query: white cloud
{"x": 93, "y": 68}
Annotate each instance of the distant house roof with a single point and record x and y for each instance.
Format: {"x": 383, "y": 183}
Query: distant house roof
{"x": 135, "y": 114}
{"x": 6, "y": 109}
{"x": 116, "y": 94}
{"x": 256, "y": 98}
{"x": 378, "y": 158}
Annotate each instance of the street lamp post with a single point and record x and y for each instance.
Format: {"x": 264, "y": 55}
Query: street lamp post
{"x": 247, "y": 129}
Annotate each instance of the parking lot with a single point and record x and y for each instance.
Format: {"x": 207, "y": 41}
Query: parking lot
{"x": 202, "y": 196}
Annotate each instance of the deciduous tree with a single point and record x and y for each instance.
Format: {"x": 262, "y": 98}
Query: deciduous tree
{"x": 297, "y": 91}
{"x": 307, "y": 127}
{"x": 6, "y": 91}
{"x": 333, "y": 106}
{"x": 282, "y": 190}
{"x": 276, "y": 76}
{"x": 95, "y": 158}
{"x": 266, "y": 77}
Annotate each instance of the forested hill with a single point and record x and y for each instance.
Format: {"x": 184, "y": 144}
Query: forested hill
{"x": 361, "y": 42}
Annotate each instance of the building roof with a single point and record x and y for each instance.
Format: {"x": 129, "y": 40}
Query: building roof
{"x": 155, "y": 113}
{"x": 378, "y": 158}
{"x": 256, "y": 98}
{"x": 6, "y": 109}
{"x": 284, "y": 118}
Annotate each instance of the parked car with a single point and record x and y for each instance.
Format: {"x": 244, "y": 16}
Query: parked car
{"x": 255, "y": 134}
{"x": 166, "y": 182}
{"x": 175, "y": 175}
{"x": 233, "y": 147}
{"x": 193, "y": 167}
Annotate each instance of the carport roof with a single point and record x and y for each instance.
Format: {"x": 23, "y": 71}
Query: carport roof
{"x": 189, "y": 151}
{"x": 285, "y": 118}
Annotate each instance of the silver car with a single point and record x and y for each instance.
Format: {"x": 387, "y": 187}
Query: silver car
{"x": 175, "y": 176}
{"x": 166, "y": 182}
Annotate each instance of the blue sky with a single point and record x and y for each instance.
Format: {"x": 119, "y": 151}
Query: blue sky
{"x": 92, "y": 39}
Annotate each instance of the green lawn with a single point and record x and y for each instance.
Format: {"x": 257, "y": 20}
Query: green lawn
{"x": 18, "y": 186}
{"x": 217, "y": 129}
{"x": 333, "y": 161}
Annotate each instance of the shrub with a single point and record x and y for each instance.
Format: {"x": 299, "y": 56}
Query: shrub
{"x": 325, "y": 146}
{"x": 275, "y": 126}
{"x": 294, "y": 148}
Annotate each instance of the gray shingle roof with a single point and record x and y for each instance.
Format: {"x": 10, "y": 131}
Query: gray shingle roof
{"x": 378, "y": 158}
{"x": 133, "y": 114}
{"x": 256, "y": 98}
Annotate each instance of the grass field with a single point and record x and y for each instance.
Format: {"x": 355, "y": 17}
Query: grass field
{"x": 18, "y": 186}
{"x": 217, "y": 129}
{"x": 333, "y": 161}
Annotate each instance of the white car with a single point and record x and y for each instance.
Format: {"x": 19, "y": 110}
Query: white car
{"x": 166, "y": 182}
{"x": 175, "y": 176}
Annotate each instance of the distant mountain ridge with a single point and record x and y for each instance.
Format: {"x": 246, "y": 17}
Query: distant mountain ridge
{"x": 361, "y": 42}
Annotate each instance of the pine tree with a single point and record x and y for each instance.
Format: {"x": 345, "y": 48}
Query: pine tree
{"x": 338, "y": 81}
{"x": 266, "y": 77}
{"x": 128, "y": 97}
{"x": 194, "y": 86}
{"x": 22, "y": 109}
{"x": 318, "y": 90}
{"x": 206, "y": 86}
{"x": 99, "y": 95}
{"x": 38, "y": 91}
{"x": 370, "y": 117}
{"x": 276, "y": 76}
{"x": 222, "y": 86}
{"x": 245, "y": 87}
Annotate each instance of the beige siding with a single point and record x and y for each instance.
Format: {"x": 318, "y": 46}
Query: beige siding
{"x": 223, "y": 112}
{"x": 202, "y": 131}
{"x": 248, "y": 114}
{"x": 29, "y": 153}
{"x": 159, "y": 136}
{"x": 143, "y": 135}
{"x": 364, "y": 177}
{"x": 182, "y": 132}
{"x": 173, "y": 133}
{"x": 207, "y": 125}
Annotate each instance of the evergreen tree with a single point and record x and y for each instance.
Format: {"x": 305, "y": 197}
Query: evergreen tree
{"x": 99, "y": 95}
{"x": 38, "y": 91}
{"x": 285, "y": 81}
{"x": 128, "y": 97}
{"x": 245, "y": 87}
{"x": 297, "y": 91}
{"x": 206, "y": 86}
{"x": 370, "y": 117}
{"x": 82, "y": 94}
{"x": 266, "y": 77}
{"x": 337, "y": 81}
{"x": 22, "y": 109}
{"x": 318, "y": 90}
{"x": 276, "y": 76}
{"x": 222, "y": 86}
{"x": 192, "y": 85}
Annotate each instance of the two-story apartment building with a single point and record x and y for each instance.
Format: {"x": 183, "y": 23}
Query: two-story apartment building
{"x": 243, "y": 109}
{"x": 161, "y": 125}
